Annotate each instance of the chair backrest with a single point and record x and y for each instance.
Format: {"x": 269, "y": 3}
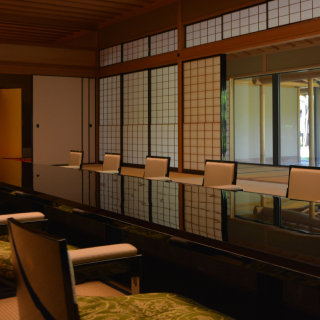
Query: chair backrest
{"x": 111, "y": 162}
{"x": 76, "y": 159}
{"x": 219, "y": 173}
{"x": 303, "y": 183}
{"x": 157, "y": 167}
{"x": 43, "y": 274}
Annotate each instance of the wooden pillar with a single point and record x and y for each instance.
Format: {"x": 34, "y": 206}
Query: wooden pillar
{"x": 298, "y": 124}
{"x": 231, "y": 119}
{"x": 311, "y": 123}
{"x": 262, "y": 124}
{"x": 181, "y": 45}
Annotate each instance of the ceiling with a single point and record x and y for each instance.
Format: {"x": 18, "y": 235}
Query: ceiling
{"x": 57, "y": 21}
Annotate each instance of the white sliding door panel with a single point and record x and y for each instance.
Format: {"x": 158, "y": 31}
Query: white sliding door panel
{"x": 57, "y": 111}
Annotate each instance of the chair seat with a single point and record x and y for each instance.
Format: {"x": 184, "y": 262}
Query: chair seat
{"x": 166, "y": 306}
{"x": 227, "y": 187}
{"x": 108, "y": 171}
{"x": 70, "y": 167}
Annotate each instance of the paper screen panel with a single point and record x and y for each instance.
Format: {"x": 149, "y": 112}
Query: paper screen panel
{"x": 136, "y": 49}
{"x": 202, "y": 211}
{"x": 135, "y": 117}
{"x": 109, "y": 116}
{"x": 164, "y": 113}
{"x": 282, "y": 12}
{"x": 110, "y": 56}
{"x": 164, "y": 42}
{"x": 245, "y": 21}
{"x": 202, "y": 105}
{"x": 204, "y": 32}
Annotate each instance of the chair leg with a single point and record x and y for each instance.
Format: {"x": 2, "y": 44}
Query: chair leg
{"x": 135, "y": 285}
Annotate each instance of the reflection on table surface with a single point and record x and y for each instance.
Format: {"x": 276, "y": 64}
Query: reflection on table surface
{"x": 274, "y": 225}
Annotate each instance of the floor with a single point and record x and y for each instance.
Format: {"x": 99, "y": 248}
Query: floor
{"x": 251, "y": 178}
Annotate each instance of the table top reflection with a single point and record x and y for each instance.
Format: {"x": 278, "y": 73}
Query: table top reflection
{"x": 266, "y": 228}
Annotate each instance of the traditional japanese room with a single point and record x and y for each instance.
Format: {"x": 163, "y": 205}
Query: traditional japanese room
{"x": 174, "y": 144}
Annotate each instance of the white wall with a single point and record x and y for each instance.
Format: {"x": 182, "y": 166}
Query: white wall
{"x": 62, "y": 107}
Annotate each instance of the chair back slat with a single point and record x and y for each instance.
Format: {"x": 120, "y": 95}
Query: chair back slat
{"x": 157, "y": 167}
{"x": 76, "y": 158}
{"x": 304, "y": 183}
{"x": 111, "y": 162}
{"x": 218, "y": 173}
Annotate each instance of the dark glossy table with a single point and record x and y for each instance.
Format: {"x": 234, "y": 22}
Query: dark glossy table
{"x": 269, "y": 229}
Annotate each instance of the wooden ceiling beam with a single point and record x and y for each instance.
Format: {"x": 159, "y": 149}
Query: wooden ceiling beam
{"x": 60, "y": 14}
{"x": 73, "y": 5}
{"x": 34, "y": 30}
{"x": 46, "y": 22}
{"x": 51, "y": 9}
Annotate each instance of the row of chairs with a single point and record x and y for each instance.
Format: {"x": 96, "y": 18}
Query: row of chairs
{"x": 217, "y": 173}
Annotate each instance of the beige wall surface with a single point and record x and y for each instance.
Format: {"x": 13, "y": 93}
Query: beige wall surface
{"x": 139, "y": 26}
{"x": 47, "y": 55}
{"x": 10, "y": 123}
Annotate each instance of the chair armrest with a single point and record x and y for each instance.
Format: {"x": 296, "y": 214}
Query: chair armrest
{"x": 102, "y": 253}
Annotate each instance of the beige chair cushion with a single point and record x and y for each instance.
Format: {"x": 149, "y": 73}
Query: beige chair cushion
{"x": 25, "y": 216}
{"x": 156, "y": 168}
{"x": 218, "y": 173}
{"x": 97, "y": 288}
{"x": 304, "y": 184}
{"x": 111, "y": 162}
{"x": 102, "y": 253}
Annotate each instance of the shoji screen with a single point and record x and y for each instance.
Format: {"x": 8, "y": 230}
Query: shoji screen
{"x": 202, "y": 211}
{"x": 164, "y": 113}
{"x": 135, "y": 117}
{"x": 202, "y": 112}
{"x": 110, "y": 117}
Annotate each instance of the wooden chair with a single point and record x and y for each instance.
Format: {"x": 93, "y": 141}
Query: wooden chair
{"x": 75, "y": 160}
{"x": 45, "y": 288}
{"x": 87, "y": 261}
{"x": 303, "y": 183}
{"x": 220, "y": 175}
{"x": 111, "y": 163}
{"x": 157, "y": 168}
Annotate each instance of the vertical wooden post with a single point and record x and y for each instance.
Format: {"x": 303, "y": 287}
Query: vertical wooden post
{"x": 263, "y": 200}
{"x": 311, "y": 209}
{"x": 311, "y": 123}
{"x": 298, "y": 124}
{"x": 262, "y": 124}
{"x": 231, "y": 119}
{"x": 181, "y": 45}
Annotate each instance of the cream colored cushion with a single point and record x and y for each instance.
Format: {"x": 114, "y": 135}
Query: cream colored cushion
{"x": 304, "y": 184}
{"x": 25, "y": 216}
{"x": 218, "y": 173}
{"x": 97, "y": 288}
{"x": 156, "y": 168}
{"x": 102, "y": 253}
{"x": 111, "y": 163}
